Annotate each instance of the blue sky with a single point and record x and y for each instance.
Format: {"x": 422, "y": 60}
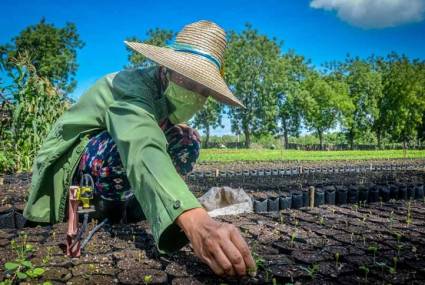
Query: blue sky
{"x": 321, "y": 30}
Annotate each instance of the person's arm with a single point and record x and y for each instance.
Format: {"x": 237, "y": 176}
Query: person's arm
{"x": 165, "y": 198}
{"x": 159, "y": 189}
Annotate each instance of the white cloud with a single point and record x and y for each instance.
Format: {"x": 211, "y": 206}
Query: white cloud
{"x": 374, "y": 13}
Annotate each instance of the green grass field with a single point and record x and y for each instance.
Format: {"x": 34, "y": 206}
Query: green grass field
{"x": 229, "y": 155}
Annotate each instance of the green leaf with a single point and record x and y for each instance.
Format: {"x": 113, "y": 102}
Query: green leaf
{"x": 29, "y": 247}
{"x": 26, "y": 263}
{"x": 30, "y": 273}
{"x": 21, "y": 275}
{"x": 38, "y": 271}
{"x": 11, "y": 266}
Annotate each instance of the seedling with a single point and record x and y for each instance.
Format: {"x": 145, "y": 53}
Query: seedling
{"x": 365, "y": 269}
{"x": 391, "y": 218}
{"x": 393, "y": 269}
{"x": 147, "y": 279}
{"x": 337, "y": 256}
{"x": 260, "y": 264}
{"x": 312, "y": 270}
{"x": 399, "y": 245}
{"x": 373, "y": 248}
{"x": 382, "y": 265}
{"x": 322, "y": 221}
{"x": 293, "y": 237}
{"x": 48, "y": 256}
{"x": 21, "y": 268}
{"x": 409, "y": 218}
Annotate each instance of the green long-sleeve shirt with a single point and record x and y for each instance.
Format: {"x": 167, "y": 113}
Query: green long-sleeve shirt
{"x": 129, "y": 105}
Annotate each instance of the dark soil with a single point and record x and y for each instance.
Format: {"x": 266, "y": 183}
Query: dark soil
{"x": 324, "y": 245}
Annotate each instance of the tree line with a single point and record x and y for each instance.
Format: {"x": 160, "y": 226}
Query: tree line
{"x": 377, "y": 99}
{"x": 370, "y": 100}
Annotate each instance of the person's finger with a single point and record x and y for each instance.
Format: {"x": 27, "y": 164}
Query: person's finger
{"x": 234, "y": 256}
{"x": 210, "y": 261}
{"x": 244, "y": 250}
{"x": 174, "y": 130}
{"x": 189, "y": 133}
{"x": 221, "y": 259}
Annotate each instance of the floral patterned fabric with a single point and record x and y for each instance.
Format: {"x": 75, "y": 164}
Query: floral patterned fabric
{"x": 101, "y": 160}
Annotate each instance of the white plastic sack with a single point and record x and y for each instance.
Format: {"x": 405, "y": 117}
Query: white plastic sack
{"x": 220, "y": 201}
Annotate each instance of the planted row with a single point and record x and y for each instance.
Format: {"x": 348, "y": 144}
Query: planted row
{"x": 303, "y": 170}
{"x": 337, "y": 195}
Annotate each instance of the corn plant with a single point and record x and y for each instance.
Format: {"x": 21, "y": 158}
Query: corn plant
{"x": 33, "y": 106}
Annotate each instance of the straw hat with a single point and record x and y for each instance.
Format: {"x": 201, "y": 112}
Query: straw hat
{"x": 197, "y": 53}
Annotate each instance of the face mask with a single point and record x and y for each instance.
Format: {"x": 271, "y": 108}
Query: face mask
{"x": 185, "y": 103}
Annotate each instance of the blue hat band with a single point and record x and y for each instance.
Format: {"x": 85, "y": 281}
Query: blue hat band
{"x": 192, "y": 50}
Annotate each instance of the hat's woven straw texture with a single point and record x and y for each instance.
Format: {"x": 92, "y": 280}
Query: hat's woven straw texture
{"x": 197, "y": 54}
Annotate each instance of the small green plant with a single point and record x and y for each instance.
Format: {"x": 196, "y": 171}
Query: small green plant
{"x": 365, "y": 269}
{"x": 373, "y": 248}
{"x": 311, "y": 270}
{"x": 293, "y": 237}
{"x": 337, "y": 257}
{"x": 409, "y": 218}
{"x": 260, "y": 264}
{"x": 48, "y": 256}
{"x": 393, "y": 269}
{"x": 399, "y": 245}
{"x": 391, "y": 218}
{"x": 21, "y": 268}
{"x": 382, "y": 265}
{"x": 147, "y": 279}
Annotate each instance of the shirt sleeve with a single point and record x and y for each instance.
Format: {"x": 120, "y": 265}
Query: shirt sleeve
{"x": 161, "y": 192}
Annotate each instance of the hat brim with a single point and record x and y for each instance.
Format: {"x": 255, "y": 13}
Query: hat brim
{"x": 192, "y": 66}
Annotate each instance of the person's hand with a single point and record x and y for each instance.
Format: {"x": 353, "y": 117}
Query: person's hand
{"x": 186, "y": 131}
{"x": 219, "y": 245}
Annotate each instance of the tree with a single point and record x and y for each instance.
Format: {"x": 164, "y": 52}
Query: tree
{"x": 292, "y": 72}
{"x": 404, "y": 93}
{"x": 365, "y": 91}
{"x": 209, "y": 117}
{"x": 53, "y": 52}
{"x": 157, "y": 37}
{"x": 324, "y": 101}
{"x": 250, "y": 61}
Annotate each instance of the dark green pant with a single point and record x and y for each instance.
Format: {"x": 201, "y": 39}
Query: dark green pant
{"x": 118, "y": 211}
